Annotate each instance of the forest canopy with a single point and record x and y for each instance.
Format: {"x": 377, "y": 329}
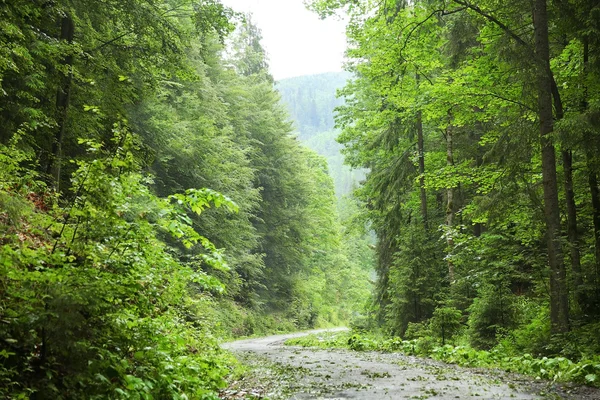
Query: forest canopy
{"x": 478, "y": 124}
{"x": 152, "y": 201}
{"x": 156, "y": 200}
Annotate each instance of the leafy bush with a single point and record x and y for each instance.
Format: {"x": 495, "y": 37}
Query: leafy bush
{"x": 531, "y": 337}
{"x": 324, "y": 340}
{"x": 492, "y": 313}
{"x": 581, "y": 342}
{"x": 361, "y": 343}
{"x": 95, "y": 304}
{"x": 445, "y": 323}
{"x": 417, "y": 330}
{"x": 362, "y": 323}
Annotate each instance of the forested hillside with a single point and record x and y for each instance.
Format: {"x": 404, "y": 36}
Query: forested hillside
{"x": 153, "y": 201}
{"x": 478, "y": 123}
{"x": 155, "y": 198}
{"x": 311, "y": 101}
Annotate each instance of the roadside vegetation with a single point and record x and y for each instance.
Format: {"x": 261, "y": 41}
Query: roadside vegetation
{"x": 153, "y": 202}
{"x": 585, "y": 370}
{"x": 478, "y": 125}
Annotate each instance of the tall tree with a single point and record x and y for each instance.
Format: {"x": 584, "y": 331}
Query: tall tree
{"x": 559, "y": 296}
{"x": 511, "y": 112}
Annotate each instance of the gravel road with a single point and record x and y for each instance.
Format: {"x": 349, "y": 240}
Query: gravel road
{"x": 287, "y": 372}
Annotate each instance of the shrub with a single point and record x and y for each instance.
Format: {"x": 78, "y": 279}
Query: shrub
{"x": 416, "y": 330}
{"x": 491, "y": 314}
{"x": 95, "y": 304}
{"x": 445, "y": 323}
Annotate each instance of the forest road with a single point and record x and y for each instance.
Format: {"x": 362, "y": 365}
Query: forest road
{"x": 289, "y": 372}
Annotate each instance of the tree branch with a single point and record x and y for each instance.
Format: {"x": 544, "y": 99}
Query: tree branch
{"x": 502, "y": 98}
{"x": 555, "y": 93}
{"x": 495, "y": 20}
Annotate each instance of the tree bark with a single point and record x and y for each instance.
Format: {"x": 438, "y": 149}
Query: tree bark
{"x": 63, "y": 95}
{"x": 450, "y": 203}
{"x": 559, "y": 306}
{"x": 421, "y": 154}
{"x": 595, "y": 194}
{"x": 572, "y": 233}
{"x": 476, "y": 137}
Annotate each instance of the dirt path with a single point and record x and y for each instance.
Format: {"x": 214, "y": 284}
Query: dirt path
{"x": 284, "y": 372}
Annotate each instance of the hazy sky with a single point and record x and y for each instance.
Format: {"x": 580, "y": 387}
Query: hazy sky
{"x": 296, "y": 40}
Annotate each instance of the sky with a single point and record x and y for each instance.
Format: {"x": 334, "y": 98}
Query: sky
{"x": 296, "y": 40}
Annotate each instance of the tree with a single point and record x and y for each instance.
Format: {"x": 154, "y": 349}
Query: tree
{"x": 151, "y": 200}
{"x": 465, "y": 70}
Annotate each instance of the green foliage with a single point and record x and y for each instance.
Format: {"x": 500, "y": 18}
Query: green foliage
{"x": 476, "y": 221}
{"x": 311, "y": 100}
{"x": 414, "y": 281}
{"x": 341, "y": 252}
{"x": 533, "y": 336}
{"x": 152, "y": 201}
{"x": 94, "y": 301}
{"x": 493, "y": 312}
{"x": 446, "y": 323}
{"x": 324, "y": 340}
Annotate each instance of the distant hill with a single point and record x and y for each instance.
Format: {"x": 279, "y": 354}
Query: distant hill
{"x": 311, "y": 100}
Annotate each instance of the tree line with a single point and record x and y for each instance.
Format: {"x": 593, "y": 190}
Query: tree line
{"x": 478, "y": 124}
{"x": 152, "y": 201}
{"x": 311, "y": 101}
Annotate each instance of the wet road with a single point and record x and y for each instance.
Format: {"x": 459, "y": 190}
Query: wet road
{"x": 343, "y": 374}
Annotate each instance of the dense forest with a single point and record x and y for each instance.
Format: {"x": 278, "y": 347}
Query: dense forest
{"x": 478, "y": 124}
{"x": 156, "y": 197}
{"x": 311, "y": 101}
{"x": 153, "y": 200}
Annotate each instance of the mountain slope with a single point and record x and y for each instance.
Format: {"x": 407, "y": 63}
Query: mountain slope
{"x": 311, "y": 101}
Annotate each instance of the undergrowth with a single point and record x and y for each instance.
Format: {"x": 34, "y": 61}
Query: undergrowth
{"x": 95, "y": 301}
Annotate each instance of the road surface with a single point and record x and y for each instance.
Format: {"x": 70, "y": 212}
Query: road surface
{"x": 289, "y": 372}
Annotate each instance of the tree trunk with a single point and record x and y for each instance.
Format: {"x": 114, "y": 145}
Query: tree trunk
{"x": 63, "y": 94}
{"x": 572, "y": 233}
{"x": 476, "y": 137}
{"x": 450, "y": 203}
{"x": 595, "y": 194}
{"x": 421, "y": 154}
{"x": 559, "y": 305}
{"x": 417, "y": 297}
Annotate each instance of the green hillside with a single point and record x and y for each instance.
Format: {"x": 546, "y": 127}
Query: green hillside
{"x": 311, "y": 101}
